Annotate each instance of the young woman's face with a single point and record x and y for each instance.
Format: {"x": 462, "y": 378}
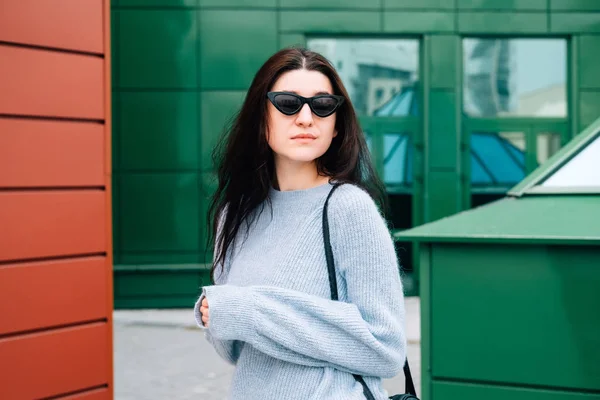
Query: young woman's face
{"x": 283, "y": 130}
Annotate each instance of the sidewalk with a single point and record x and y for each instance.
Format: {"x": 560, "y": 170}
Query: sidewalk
{"x": 161, "y": 354}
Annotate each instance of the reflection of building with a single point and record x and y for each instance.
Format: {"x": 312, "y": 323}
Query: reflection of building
{"x": 372, "y": 70}
{"x": 490, "y": 85}
{"x": 549, "y": 101}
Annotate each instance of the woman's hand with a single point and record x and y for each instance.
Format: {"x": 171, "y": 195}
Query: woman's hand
{"x": 204, "y": 311}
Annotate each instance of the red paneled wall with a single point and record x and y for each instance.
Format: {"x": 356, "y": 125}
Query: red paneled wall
{"x": 55, "y": 198}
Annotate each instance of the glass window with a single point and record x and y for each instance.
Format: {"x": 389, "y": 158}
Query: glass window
{"x": 497, "y": 159}
{"x": 397, "y": 163}
{"x": 581, "y": 171}
{"x": 379, "y": 74}
{"x": 515, "y": 77}
{"x": 547, "y": 145}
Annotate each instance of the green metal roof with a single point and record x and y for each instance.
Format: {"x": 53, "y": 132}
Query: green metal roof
{"x": 531, "y": 213}
{"x": 531, "y": 219}
{"x": 531, "y": 184}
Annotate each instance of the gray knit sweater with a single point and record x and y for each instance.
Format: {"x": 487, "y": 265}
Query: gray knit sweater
{"x": 271, "y": 313}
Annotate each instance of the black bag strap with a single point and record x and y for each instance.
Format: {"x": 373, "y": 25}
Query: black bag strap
{"x": 410, "y": 387}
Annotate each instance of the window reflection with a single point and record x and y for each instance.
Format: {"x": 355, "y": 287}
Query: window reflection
{"x": 397, "y": 158}
{"x": 397, "y": 164}
{"x": 497, "y": 159}
{"x": 515, "y": 77}
{"x": 379, "y": 74}
{"x": 547, "y": 145}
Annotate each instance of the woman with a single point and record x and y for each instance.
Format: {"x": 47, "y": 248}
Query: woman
{"x": 270, "y": 311}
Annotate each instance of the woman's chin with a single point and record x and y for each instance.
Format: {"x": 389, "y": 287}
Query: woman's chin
{"x": 302, "y": 157}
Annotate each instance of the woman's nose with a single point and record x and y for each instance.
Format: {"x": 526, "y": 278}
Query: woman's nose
{"x": 305, "y": 116}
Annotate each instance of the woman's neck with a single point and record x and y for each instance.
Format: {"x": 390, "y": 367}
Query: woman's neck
{"x": 298, "y": 177}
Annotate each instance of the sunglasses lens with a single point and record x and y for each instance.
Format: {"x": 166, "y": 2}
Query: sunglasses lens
{"x": 324, "y": 105}
{"x": 287, "y": 104}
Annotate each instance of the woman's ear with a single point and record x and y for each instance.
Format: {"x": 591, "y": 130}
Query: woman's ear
{"x": 335, "y": 132}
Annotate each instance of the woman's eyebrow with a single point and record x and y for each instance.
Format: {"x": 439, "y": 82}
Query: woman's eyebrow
{"x": 316, "y": 93}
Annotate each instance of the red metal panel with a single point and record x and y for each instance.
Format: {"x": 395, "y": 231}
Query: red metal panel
{"x": 65, "y": 24}
{"x": 51, "y": 153}
{"x": 55, "y": 223}
{"x": 54, "y": 362}
{"x": 108, "y": 190}
{"x": 49, "y": 83}
{"x": 98, "y": 394}
{"x": 52, "y": 293}
{"x": 52, "y": 223}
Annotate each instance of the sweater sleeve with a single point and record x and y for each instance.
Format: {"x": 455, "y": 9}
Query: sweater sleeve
{"x": 228, "y": 350}
{"x": 364, "y": 335}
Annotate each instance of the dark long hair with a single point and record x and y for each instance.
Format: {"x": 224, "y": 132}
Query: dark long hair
{"x": 245, "y": 163}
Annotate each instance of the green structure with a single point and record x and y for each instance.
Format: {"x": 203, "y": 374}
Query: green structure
{"x": 460, "y": 100}
{"x": 509, "y": 291}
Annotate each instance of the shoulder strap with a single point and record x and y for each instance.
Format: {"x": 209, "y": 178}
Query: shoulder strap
{"x": 410, "y": 387}
{"x": 328, "y": 251}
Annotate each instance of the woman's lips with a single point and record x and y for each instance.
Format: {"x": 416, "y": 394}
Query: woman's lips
{"x": 304, "y": 137}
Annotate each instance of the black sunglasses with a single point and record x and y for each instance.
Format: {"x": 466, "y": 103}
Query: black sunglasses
{"x": 322, "y": 105}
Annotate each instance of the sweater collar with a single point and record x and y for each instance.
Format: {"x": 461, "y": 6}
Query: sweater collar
{"x": 302, "y": 195}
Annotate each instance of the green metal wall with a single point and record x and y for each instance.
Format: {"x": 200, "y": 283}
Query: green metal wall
{"x": 180, "y": 68}
{"x": 521, "y": 327}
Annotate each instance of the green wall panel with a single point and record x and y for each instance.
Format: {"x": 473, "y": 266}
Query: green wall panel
{"x": 158, "y": 3}
{"x": 116, "y": 220}
{"x": 589, "y": 61}
{"x": 233, "y": 45}
{"x": 159, "y": 130}
{"x": 157, "y": 49}
{"x": 238, "y": 3}
{"x": 291, "y": 39}
{"x": 330, "y": 21}
{"x": 209, "y": 184}
{"x": 218, "y": 108}
{"x": 114, "y": 51}
{"x": 541, "y": 5}
{"x": 443, "y": 194}
{"x": 116, "y": 136}
{"x": 159, "y": 212}
{"x": 418, "y": 21}
{"x": 184, "y": 282}
{"x": 589, "y": 107}
{"x": 315, "y": 4}
{"x": 575, "y": 5}
{"x": 160, "y": 288}
{"x": 502, "y": 22}
{"x": 423, "y": 4}
{"x": 443, "y": 62}
{"x": 526, "y": 315}
{"x": 164, "y": 258}
{"x": 443, "y": 137}
{"x": 575, "y": 22}
{"x": 466, "y": 391}
{"x": 192, "y": 61}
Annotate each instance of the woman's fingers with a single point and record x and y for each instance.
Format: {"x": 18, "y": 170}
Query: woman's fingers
{"x": 204, "y": 312}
